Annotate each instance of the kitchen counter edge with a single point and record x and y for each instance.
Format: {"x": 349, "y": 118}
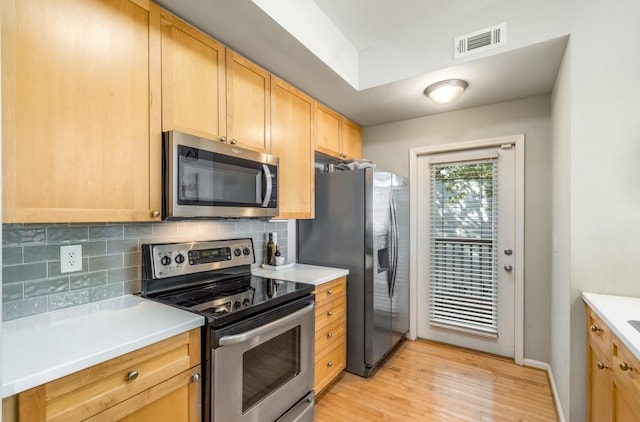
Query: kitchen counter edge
{"x": 41, "y": 348}
{"x": 616, "y": 311}
{"x": 303, "y": 273}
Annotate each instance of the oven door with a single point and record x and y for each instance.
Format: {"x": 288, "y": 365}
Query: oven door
{"x": 261, "y": 372}
{"x": 205, "y": 178}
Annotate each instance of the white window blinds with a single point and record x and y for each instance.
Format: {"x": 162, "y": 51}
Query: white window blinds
{"x": 463, "y": 237}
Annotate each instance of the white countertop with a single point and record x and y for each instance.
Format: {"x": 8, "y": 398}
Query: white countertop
{"x": 44, "y": 347}
{"x": 303, "y": 273}
{"x": 616, "y": 311}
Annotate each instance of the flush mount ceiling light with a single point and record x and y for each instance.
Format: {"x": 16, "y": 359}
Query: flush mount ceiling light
{"x": 445, "y": 92}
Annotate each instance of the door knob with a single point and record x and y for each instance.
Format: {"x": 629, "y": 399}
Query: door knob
{"x": 508, "y": 268}
{"x": 508, "y": 252}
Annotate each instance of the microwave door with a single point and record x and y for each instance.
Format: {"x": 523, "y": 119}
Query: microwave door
{"x": 196, "y": 184}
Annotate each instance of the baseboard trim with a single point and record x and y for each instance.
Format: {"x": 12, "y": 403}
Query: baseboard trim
{"x": 547, "y": 368}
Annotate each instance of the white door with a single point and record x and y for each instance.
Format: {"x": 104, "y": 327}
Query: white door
{"x": 466, "y": 229}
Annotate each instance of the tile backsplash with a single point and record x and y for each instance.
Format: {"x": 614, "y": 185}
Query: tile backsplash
{"x": 31, "y": 278}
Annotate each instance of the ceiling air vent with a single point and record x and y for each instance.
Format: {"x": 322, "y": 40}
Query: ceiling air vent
{"x": 485, "y": 39}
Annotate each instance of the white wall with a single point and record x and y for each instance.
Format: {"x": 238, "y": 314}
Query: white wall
{"x": 605, "y": 158}
{"x": 388, "y": 146}
{"x": 561, "y": 241}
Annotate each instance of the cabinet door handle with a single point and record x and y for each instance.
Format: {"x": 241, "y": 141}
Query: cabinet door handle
{"x": 330, "y": 313}
{"x": 601, "y": 365}
{"x": 625, "y": 366}
{"x": 329, "y": 364}
{"x": 330, "y": 292}
{"x": 233, "y": 142}
{"x": 329, "y": 335}
{"x": 195, "y": 377}
{"x": 595, "y": 328}
{"x": 223, "y": 139}
{"x": 132, "y": 375}
{"x": 155, "y": 214}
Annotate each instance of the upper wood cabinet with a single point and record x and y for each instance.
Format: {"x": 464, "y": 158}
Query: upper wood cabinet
{"x": 291, "y": 140}
{"x": 248, "y": 103}
{"x": 193, "y": 80}
{"x": 351, "y": 139}
{"x": 335, "y": 135}
{"x": 80, "y": 111}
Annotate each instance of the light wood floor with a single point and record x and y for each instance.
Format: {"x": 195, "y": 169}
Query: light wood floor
{"x": 425, "y": 381}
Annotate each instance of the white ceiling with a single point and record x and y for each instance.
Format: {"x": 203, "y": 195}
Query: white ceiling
{"x": 528, "y": 68}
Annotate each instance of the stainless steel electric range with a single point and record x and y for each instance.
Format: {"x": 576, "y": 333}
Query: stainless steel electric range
{"x": 258, "y": 340}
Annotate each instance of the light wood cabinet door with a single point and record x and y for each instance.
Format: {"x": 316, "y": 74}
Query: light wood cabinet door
{"x": 327, "y": 130}
{"x": 248, "y": 103}
{"x": 336, "y": 135}
{"x": 193, "y": 80}
{"x": 81, "y": 110}
{"x": 626, "y": 384}
{"x": 599, "y": 391}
{"x": 351, "y": 139}
{"x": 291, "y": 135}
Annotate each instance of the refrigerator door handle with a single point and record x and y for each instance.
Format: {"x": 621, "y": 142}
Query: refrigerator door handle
{"x": 394, "y": 241}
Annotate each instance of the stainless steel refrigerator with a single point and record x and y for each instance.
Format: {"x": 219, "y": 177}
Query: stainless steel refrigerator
{"x": 361, "y": 223}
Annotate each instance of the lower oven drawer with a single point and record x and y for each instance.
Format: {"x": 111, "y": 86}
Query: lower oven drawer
{"x": 301, "y": 412}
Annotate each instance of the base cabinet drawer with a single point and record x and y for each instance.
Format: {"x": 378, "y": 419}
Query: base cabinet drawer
{"x": 329, "y": 364}
{"x": 140, "y": 382}
{"x": 329, "y": 335}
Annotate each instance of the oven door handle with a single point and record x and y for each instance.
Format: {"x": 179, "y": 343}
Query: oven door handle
{"x": 269, "y": 182}
{"x": 242, "y": 337}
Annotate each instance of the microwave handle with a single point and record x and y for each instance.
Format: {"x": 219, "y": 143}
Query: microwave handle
{"x": 267, "y": 176}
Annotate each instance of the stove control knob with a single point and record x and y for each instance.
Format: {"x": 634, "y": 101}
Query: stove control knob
{"x": 246, "y": 251}
{"x": 179, "y": 258}
{"x": 246, "y": 303}
{"x": 165, "y": 260}
{"x": 236, "y": 305}
{"x": 237, "y": 252}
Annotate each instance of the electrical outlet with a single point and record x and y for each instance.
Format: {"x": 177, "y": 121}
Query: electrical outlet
{"x": 70, "y": 258}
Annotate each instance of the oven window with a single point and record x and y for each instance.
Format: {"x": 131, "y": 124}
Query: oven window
{"x": 268, "y": 366}
{"x": 205, "y": 178}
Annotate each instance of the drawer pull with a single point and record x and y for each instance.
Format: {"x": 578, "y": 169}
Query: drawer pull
{"x": 625, "y": 366}
{"x": 329, "y": 335}
{"x": 330, "y": 313}
{"x": 330, "y": 292}
{"x": 195, "y": 377}
{"x": 601, "y": 365}
{"x": 132, "y": 375}
{"x": 329, "y": 364}
{"x": 595, "y": 328}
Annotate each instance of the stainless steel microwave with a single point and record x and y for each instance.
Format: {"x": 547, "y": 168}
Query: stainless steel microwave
{"x": 203, "y": 178}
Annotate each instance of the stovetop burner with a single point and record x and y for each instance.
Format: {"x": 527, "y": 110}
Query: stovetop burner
{"x": 222, "y": 290}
